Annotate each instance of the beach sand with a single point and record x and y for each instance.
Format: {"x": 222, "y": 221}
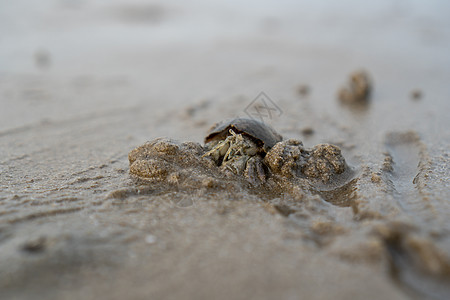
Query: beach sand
{"x": 82, "y": 83}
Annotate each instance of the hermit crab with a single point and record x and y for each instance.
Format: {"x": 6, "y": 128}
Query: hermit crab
{"x": 240, "y": 145}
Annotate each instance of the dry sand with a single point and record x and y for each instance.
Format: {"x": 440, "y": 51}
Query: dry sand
{"x": 84, "y": 82}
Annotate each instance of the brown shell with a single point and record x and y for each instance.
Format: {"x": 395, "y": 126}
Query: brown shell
{"x": 263, "y": 135}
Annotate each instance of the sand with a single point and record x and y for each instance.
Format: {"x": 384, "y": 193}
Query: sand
{"x": 84, "y": 83}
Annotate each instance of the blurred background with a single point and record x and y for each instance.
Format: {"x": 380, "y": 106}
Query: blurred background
{"x": 65, "y": 58}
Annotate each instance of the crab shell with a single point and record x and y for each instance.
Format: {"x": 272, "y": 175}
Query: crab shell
{"x": 263, "y": 135}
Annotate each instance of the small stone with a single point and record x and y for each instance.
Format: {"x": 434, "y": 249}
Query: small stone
{"x": 304, "y": 90}
{"x": 42, "y": 59}
{"x": 358, "y": 89}
{"x": 416, "y": 94}
{"x": 35, "y": 245}
{"x": 307, "y": 131}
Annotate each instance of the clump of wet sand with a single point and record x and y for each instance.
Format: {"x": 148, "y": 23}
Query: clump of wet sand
{"x": 358, "y": 88}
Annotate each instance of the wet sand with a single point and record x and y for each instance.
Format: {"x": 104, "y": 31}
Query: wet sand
{"x": 83, "y": 83}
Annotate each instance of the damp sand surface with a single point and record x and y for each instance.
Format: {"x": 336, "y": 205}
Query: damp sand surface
{"x": 84, "y": 83}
